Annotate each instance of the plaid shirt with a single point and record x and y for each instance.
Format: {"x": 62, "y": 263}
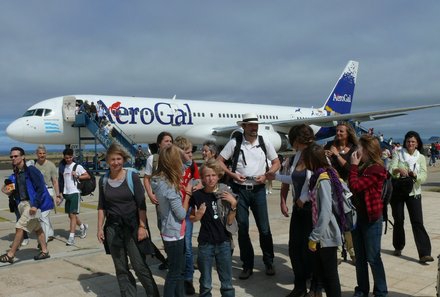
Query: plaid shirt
{"x": 369, "y": 183}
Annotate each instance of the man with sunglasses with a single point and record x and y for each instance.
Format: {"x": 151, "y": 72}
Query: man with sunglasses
{"x": 32, "y": 197}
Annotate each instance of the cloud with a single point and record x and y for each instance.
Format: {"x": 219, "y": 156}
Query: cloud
{"x": 278, "y": 52}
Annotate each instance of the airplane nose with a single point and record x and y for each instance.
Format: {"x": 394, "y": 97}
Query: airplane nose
{"x": 15, "y": 131}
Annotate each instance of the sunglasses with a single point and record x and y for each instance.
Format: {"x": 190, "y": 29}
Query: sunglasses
{"x": 14, "y": 156}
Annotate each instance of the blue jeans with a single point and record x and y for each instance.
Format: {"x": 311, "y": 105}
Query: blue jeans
{"x": 189, "y": 258}
{"x": 222, "y": 254}
{"x": 367, "y": 240}
{"x": 255, "y": 200}
{"x": 176, "y": 265}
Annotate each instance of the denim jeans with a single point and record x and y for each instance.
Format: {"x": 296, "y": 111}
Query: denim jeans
{"x": 223, "y": 260}
{"x": 121, "y": 246}
{"x": 367, "y": 240}
{"x": 255, "y": 200}
{"x": 176, "y": 266}
{"x": 189, "y": 258}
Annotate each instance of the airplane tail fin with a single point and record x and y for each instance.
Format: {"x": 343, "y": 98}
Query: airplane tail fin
{"x": 341, "y": 97}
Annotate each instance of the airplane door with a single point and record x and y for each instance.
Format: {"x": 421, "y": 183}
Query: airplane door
{"x": 69, "y": 103}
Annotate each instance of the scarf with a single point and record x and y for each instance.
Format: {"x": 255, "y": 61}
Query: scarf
{"x": 410, "y": 160}
{"x": 337, "y": 189}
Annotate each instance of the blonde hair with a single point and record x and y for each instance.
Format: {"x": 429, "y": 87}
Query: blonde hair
{"x": 170, "y": 166}
{"x": 351, "y": 134}
{"x": 116, "y": 149}
{"x": 214, "y": 165}
{"x": 183, "y": 143}
{"x": 371, "y": 147}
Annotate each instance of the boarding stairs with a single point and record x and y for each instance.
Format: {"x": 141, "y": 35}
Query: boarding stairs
{"x": 106, "y": 139}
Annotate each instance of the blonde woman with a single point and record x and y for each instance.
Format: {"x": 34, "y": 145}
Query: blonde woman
{"x": 165, "y": 183}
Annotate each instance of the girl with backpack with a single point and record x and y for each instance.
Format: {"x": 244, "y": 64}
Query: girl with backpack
{"x": 367, "y": 175}
{"x": 326, "y": 234}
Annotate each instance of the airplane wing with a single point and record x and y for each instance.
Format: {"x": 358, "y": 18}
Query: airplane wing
{"x": 331, "y": 120}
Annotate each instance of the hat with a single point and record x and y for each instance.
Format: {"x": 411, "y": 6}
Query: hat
{"x": 249, "y": 118}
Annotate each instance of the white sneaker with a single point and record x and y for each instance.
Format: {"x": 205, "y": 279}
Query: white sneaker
{"x": 25, "y": 242}
{"x": 83, "y": 232}
{"x": 70, "y": 241}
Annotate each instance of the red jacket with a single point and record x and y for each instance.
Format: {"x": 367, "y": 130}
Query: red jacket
{"x": 369, "y": 183}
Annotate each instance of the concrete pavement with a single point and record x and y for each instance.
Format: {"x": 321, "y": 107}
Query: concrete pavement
{"x": 85, "y": 270}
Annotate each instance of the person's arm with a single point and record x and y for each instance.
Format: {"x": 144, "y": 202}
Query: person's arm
{"x": 142, "y": 229}
{"x": 150, "y": 194}
{"x": 324, "y": 195}
{"x": 233, "y": 204}
{"x": 284, "y": 192}
{"x": 100, "y": 234}
{"x": 234, "y": 175}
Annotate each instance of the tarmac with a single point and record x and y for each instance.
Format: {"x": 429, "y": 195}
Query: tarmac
{"x": 85, "y": 269}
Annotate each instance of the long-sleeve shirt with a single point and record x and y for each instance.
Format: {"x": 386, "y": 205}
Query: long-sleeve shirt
{"x": 367, "y": 188}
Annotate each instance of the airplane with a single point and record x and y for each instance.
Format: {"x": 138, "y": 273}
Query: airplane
{"x": 142, "y": 119}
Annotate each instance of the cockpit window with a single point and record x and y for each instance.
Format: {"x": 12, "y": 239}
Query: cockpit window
{"x": 40, "y": 112}
{"x": 29, "y": 113}
{"x": 48, "y": 112}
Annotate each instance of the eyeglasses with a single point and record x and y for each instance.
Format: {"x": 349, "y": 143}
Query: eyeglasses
{"x": 14, "y": 156}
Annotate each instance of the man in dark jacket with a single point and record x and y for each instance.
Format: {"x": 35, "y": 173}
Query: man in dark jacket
{"x": 32, "y": 197}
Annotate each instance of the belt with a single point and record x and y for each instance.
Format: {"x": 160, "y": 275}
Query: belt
{"x": 49, "y": 187}
{"x": 250, "y": 187}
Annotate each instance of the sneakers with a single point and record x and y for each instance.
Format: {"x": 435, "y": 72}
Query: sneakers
{"x": 245, "y": 274}
{"x": 425, "y": 259}
{"x": 83, "y": 232}
{"x": 25, "y": 242}
{"x": 189, "y": 288}
{"x": 70, "y": 241}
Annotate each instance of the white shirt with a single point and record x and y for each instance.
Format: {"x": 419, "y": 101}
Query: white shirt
{"x": 69, "y": 185}
{"x": 149, "y": 166}
{"x": 254, "y": 155}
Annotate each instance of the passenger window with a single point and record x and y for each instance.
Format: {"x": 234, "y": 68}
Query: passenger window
{"x": 198, "y": 114}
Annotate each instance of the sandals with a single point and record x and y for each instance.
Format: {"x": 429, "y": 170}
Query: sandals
{"x": 42, "y": 256}
{"x": 6, "y": 259}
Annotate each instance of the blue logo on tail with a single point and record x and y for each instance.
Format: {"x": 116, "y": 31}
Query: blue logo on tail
{"x": 341, "y": 97}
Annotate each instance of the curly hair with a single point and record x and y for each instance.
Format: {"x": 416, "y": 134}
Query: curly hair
{"x": 214, "y": 165}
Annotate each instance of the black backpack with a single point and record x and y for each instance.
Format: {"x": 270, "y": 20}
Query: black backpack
{"x": 237, "y": 150}
{"x": 387, "y": 192}
{"x": 85, "y": 186}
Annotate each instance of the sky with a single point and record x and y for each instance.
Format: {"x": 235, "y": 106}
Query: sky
{"x": 268, "y": 52}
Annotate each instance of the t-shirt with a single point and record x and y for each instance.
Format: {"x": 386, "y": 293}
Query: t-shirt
{"x": 49, "y": 171}
{"x": 188, "y": 176}
{"x": 212, "y": 229}
{"x": 149, "y": 165}
{"x": 255, "y": 158}
{"x": 69, "y": 185}
{"x": 118, "y": 199}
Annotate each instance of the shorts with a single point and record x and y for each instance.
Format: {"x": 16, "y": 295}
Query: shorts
{"x": 72, "y": 203}
{"x": 26, "y": 222}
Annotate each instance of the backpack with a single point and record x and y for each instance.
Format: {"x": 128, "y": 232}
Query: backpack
{"x": 387, "y": 192}
{"x": 349, "y": 214}
{"x": 85, "y": 186}
{"x": 237, "y": 150}
{"x": 130, "y": 172}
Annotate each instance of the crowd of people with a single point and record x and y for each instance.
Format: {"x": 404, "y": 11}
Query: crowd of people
{"x": 220, "y": 195}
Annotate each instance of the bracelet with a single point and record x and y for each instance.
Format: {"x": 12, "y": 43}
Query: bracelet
{"x": 145, "y": 227}
{"x": 188, "y": 193}
{"x": 233, "y": 209}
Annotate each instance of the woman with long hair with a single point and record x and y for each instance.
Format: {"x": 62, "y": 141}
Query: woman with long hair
{"x": 367, "y": 175}
{"x": 165, "y": 183}
{"x": 411, "y": 162}
{"x": 325, "y": 190}
{"x": 298, "y": 176}
{"x": 339, "y": 152}
{"x": 122, "y": 207}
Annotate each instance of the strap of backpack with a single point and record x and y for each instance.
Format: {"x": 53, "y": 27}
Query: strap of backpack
{"x": 262, "y": 145}
{"x": 237, "y": 149}
{"x": 129, "y": 180}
